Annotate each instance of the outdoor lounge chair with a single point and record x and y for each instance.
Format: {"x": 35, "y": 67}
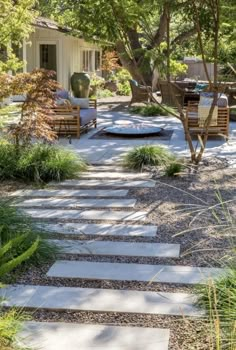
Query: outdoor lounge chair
{"x": 220, "y": 123}
{"x": 168, "y": 98}
{"x": 72, "y": 120}
{"x": 139, "y": 93}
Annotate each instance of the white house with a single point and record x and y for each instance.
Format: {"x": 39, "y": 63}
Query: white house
{"x": 51, "y": 46}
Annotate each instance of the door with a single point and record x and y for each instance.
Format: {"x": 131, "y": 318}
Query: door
{"x": 48, "y": 57}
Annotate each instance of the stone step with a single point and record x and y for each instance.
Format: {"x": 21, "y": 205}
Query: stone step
{"x": 69, "y": 193}
{"x": 94, "y": 247}
{"x": 100, "y": 229}
{"x": 105, "y": 183}
{"x": 73, "y": 336}
{"x": 107, "y": 168}
{"x": 102, "y": 300}
{"x": 86, "y": 214}
{"x": 132, "y": 272}
{"x": 115, "y": 175}
{"x": 72, "y": 203}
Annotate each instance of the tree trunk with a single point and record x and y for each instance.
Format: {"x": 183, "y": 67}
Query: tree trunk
{"x": 138, "y": 69}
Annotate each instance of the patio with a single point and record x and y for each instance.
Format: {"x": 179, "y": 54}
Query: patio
{"x": 109, "y": 151}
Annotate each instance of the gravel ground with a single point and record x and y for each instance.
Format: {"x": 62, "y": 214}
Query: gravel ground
{"x": 174, "y": 205}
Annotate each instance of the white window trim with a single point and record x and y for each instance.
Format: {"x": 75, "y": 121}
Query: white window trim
{"x": 84, "y": 49}
{"x": 58, "y": 53}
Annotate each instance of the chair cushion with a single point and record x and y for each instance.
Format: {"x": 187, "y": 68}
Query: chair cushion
{"x": 61, "y": 102}
{"x": 87, "y": 115}
{"x": 64, "y": 94}
{"x": 207, "y": 97}
{"x": 134, "y": 82}
{"x": 82, "y": 102}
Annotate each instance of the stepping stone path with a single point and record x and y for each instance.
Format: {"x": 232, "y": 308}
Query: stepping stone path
{"x": 78, "y": 203}
{"x": 100, "y": 229}
{"x": 85, "y": 207}
{"x": 62, "y": 336}
{"x": 118, "y": 248}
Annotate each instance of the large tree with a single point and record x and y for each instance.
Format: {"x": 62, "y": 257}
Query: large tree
{"x": 16, "y": 19}
{"x": 134, "y": 27}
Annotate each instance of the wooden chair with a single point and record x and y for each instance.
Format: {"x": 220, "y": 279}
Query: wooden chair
{"x": 222, "y": 127}
{"x": 139, "y": 93}
{"x": 72, "y": 121}
{"x": 169, "y": 98}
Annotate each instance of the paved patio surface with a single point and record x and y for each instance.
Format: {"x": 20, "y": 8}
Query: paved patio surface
{"x": 110, "y": 151}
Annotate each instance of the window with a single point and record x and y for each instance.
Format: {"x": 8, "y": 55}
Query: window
{"x": 48, "y": 56}
{"x": 97, "y": 60}
{"x": 87, "y": 63}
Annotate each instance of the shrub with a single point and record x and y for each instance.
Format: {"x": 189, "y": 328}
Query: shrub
{"x": 38, "y": 162}
{"x": 123, "y": 75}
{"x": 123, "y": 89}
{"x": 150, "y": 110}
{"x": 19, "y": 240}
{"x": 103, "y": 93}
{"x": 147, "y": 155}
{"x": 174, "y": 168}
{"x": 8, "y": 160}
{"x": 39, "y": 87}
{"x": 10, "y": 325}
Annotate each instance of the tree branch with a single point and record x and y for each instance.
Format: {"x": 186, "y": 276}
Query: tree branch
{"x": 184, "y": 36}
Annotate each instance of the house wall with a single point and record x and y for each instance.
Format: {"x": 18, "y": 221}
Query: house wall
{"x": 69, "y": 53}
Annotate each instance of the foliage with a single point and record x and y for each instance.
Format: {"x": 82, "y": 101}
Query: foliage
{"x": 103, "y": 93}
{"x": 122, "y": 75}
{"x": 9, "y": 260}
{"x": 38, "y": 162}
{"x": 147, "y": 155}
{"x": 151, "y": 110}
{"x": 96, "y": 81}
{"x": 10, "y": 325}
{"x": 174, "y": 168}
{"x": 38, "y": 87}
{"x": 218, "y": 298}
{"x": 19, "y": 240}
{"x": 110, "y": 61}
{"x": 177, "y": 68}
{"x": 16, "y": 24}
{"x": 124, "y": 89}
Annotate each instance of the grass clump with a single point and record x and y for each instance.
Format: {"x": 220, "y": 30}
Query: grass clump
{"x": 38, "y": 163}
{"x": 218, "y": 298}
{"x": 10, "y": 325}
{"x": 174, "y": 168}
{"x": 147, "y": 155}
{"x": 151, "y": 110}
{"x": 20, "y": 241}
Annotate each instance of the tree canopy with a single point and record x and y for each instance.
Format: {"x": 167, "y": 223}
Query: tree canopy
{"x": 16, "y": 18}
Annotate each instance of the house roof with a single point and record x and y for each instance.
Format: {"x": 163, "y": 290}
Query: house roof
{"x": 47, "y": 23}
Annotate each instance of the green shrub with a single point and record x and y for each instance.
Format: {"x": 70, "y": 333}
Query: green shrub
{"x": 147, "y": 155}
{"x": 151, "y": 110}
{"x": 124, "y": 89}
{"x": 38, "y": 162}
{"x": 174, "y": 168}
{"x": 103, "y": 93}
{"x": 8, "y": 160}
{"x": 122, "y": 75}
{"x": 19, "y": 240}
